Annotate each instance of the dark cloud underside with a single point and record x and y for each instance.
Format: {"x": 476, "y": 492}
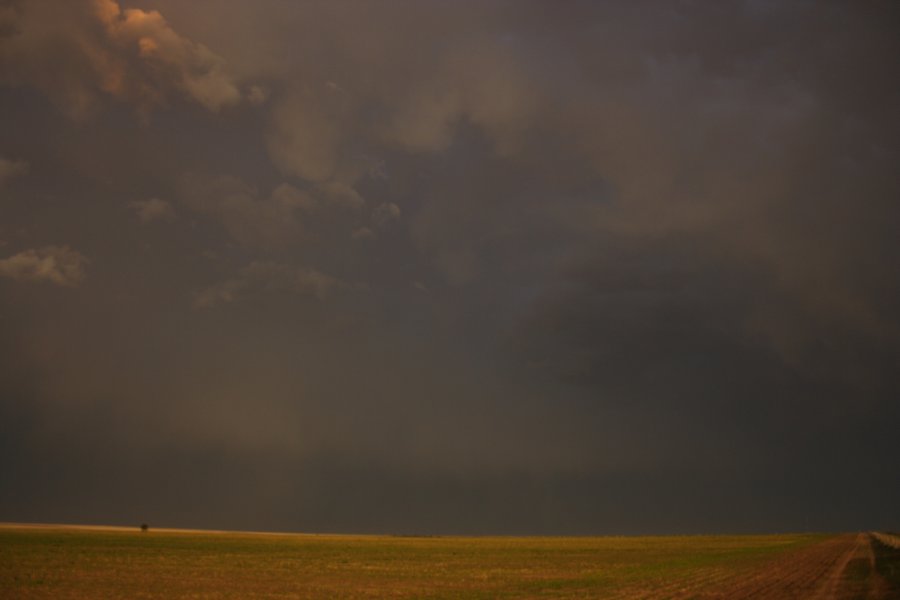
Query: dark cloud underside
{"x": 424, "y": 267}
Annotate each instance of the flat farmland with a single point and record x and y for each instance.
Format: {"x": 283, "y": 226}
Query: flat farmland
{"x": 82, "y": 562}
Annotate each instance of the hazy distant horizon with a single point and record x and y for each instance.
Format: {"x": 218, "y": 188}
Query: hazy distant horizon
{"x": 132, "y": 527}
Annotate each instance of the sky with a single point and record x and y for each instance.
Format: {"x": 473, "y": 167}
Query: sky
{"x": 429, "y": 267}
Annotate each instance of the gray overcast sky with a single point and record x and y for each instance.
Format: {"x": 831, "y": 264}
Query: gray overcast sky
{"x": 450, "y": 267}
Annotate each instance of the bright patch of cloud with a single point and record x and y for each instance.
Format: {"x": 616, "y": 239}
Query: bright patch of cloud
{"x": 59, "y": 265}
{"x": 153, "y": 209}
{"x": 79, "y": 51}
{"x": 341, "y": 194}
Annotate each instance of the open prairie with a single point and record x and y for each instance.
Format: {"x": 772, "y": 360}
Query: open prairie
{"x": 82, "y": 562}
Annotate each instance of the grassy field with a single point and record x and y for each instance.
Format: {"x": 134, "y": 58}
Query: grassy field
{"x": 51, "y": 562}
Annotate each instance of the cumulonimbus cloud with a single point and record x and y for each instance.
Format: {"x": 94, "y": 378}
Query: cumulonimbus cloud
{"x": 59, "y": 265}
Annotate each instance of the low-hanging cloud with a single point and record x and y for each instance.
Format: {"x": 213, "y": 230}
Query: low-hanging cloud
{"x": 385, "y": 214}
{"x": 59, "y": 265}
{"x": 483, "y": 81}
{"x": 341, "y": 194}
{"x": 269, "y": 277}
{"x": 248, "y": 217}
{"x": 10, "y": 169}
{"x": 287, "y": 216}
{"x": 153, "y": 209}
{"x": 308, "y": 132}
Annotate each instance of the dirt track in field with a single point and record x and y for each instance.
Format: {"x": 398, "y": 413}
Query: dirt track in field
{"x": 842, "y": 568}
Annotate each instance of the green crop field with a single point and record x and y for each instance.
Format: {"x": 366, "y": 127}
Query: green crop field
{"x": 60, "y": 562}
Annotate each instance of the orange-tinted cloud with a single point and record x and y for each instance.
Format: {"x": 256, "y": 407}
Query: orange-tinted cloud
{"x": 79, "y": 52}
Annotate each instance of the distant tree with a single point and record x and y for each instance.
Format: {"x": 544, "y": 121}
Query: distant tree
{"x": 144, "y": 527}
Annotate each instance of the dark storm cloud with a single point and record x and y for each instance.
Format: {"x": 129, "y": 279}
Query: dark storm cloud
{"x": 512, "y": 267}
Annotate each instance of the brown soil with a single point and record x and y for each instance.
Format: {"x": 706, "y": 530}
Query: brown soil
{"x": 842, "y": 568}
